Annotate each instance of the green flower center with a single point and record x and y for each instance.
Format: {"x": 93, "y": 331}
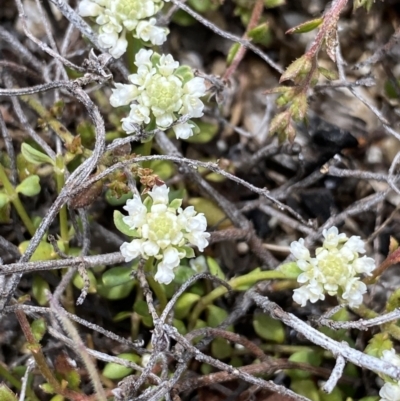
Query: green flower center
{"x": 333, "y": 267}
{"x": 161, "y": 226}
{"x": 164, "y": 93}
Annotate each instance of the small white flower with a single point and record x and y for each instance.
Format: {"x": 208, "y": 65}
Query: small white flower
{"x": 390, "y": 356}
{"x": 159, "y": 194}
{"x": 333, "y": 238}
{"x": 167, "y": 65}
{"x": 115, "y": 17}
{"x": 390, "y": 392}
{"x": 158, "y": 93}
{"x": 89, "y": 8}
{"x": 163, "y": 230}
{"x": 334, "y": 269}
{"x": 131, "y": 250}
{"x": 299, "y": 251}
{"x": 183, "y": 130}
{"x": 123, "y": 95}
{"x": 149, "y": 32}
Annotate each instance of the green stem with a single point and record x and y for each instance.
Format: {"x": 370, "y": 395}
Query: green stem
{"x": 242, "y": 281}
{"x": 154, "y": 285}
{"x": 60, "y": 179}
{"x": 16, "y": 382}
{"x": 13, "y": 196}
{"x": 40, "y": 359}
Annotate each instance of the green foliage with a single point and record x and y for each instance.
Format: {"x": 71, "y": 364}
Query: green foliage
{"x": 306, "y": 26}
{"x": 184, "y": 304}
{"x": 34, "y": 156}
{"x": 121, "y": 226}
{"x": 30, "y": 186}
{"x": 39, "y": 328}
{"x": 115, "y": 371}
{"x": 214, "y": 214}
{"x": 268, "y": 328}
{"x": 310, "y": 357}
{"x": 377, "y": 344}
{"x": 290, "y": 270}
{"x": 6, "y": 394}
{"x": 40, "y": 290}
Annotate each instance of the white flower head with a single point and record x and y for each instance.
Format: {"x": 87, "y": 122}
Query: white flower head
{"x": 160, "y": 92}
{"x": 390, "y": 392}
{"x": 334, "y": 270}
{"x": 117, "y": 17}
{"x": 165, "y": 231}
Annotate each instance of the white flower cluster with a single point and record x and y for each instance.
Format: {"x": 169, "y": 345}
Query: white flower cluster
{"x": 334, "y": 270}
{"x": 390, "y": 391}
{"x": 164, "y": 231}
{"x": 162, "y": 92}
{"x": 117, "y": 17}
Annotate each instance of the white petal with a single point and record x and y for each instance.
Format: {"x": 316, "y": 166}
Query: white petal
{"x": 364, "y": 265}
{"x": 120, "y": 47}
{"x": 195, "y": 87}
{"x": 164, "y": 275}
{"x": 131, "y": 250}
{"x": 143, "y": 58}
{"x": 299, "y": 251}
{"x": 159, "y": 194}
{"x": 183, "y": 131}
{"x": 150, "y": 248}
{"x": 390, "y": 392}
{"x": 123, "y": 95}
{"x": 88, "y": 8}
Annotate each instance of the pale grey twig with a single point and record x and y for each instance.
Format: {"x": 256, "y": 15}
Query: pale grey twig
{"x": 29, "y": 309}
{"x": 21, "y": 50}
{"x": 336, "y": 374}
{"x": 41, "y": 44}
{"x": 227, "y": 35}
{"x": 316, "y": 337}
{"x": 361, "y": 324}
{"x": 185, "y": 286}
{"x": 24, "y": 381}
{"x": 89, "y": 261}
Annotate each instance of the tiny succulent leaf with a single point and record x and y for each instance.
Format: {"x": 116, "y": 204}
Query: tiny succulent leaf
{"x": 306, "y": 26}
{"x": 30, "y": 186}
{"x": 35, "y": 156}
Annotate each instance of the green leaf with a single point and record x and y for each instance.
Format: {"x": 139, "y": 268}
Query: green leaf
{"x": 377, "y": 344}
{"x": 35, "y": 156}
{"x": 40, "y": 288}
{"x": 79, "y": 283}
{"x": 214, "y": 268}
{"x": 189, "y": 252}
{"x": 307, "y": 388}
{"x": 306, "y": 26}
{"x": 4, "y": 200}
{"x": 213, "y": 213}
{"x": 117, "y": 276}
{"x": 39, "y": 328}
{"x": 6, "y": 394}
{"x": 114, "y": 201}
{"x": 185, "y": 73}
{"x": 300, "y": 66}
{"x": 180, "y": 326}
{"x": 184, "y": 304}
{"x": 274, "y": 3}
{"x": 44, "y": 251}
{"x": 311, "y": 357}
{"x": 328, "y": 74}
{"x": 116, "y": 292}
{"x": 114, "y": 371}
{"x": 163, "y": 168}
{"x": 30, "y": 186}
{"x": 335, "y": 395}
{"x": 221, "y": 348}
{"x": 232, "y": 53}
{"x": 176, "y": 203}
{"x": 290, "y": 270}
{"x": 206, "y": 134}
{"x": 215, "y": 315}
{"x": 261, "y": 34}
{"x": 121, "y": 226}
{"x": 268, "y": 328}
